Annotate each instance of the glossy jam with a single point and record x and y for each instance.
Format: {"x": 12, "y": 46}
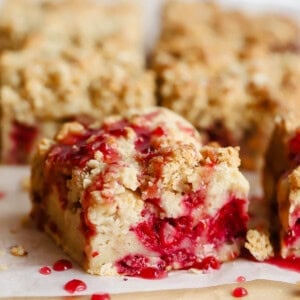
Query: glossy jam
{"x": 22, "y": 138}
{"x": 45, "y": 270}
{"x": 175, "y": 240}
{"x": 75, "y": 285}
{"x": 62, "y": 265}
{"x": 290, "y": 263}
{"x": 100, "y": 297}
{"x": 239, "y": 292}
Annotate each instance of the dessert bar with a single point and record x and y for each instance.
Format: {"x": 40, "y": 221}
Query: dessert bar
{"x": 140, "y": 195}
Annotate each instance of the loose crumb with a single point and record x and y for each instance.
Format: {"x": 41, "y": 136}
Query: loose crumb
{"x": 18, "y": 251}
{"x": 25, "y": 184}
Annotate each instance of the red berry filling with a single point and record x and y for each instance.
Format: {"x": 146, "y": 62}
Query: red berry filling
{"x": 294, "y": 150}
{"x": 293, "y": 234}
{"x": 23, "y": 138}
{"x": 175, "y": 240}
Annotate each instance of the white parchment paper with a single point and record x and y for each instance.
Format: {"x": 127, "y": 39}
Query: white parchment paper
{"x": 19, "y": 276}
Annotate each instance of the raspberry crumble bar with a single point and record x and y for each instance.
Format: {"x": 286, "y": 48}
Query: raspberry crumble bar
{"x": 64, "y": 61}
{"x": 282, "y": 183}
{"x": 227, "y": 72}
{"x": 140, "y": 195}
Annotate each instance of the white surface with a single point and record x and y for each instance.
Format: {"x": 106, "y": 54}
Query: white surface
{"x": 22, "y": 277}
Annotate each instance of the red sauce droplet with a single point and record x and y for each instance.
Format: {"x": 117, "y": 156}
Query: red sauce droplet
{"x": 100, "y": 297}
{"x": 152, "y": 273}
{"x": 240, "y": 279}
{"x": 2, "y": 195}
{"x": 75, "y": 285}
{"x": 290, "y": 263}
{"x": 95, "y": 253}
{"x": 62, "y": 265}
{"x": 239, "y": 292}
{"x": 45, "y": 270}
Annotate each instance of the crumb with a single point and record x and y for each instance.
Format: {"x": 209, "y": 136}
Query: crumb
{"x": 25, "y": 221}
{"x": 13, "y": 230}
{"x": 125, "y": 279}
{"x": 25, "y": 184}
{"x": 3, "y": 267}
{"x": 18, "y": 250}
{"x": 195, "y": 271}
{"x": 259, "y": 245}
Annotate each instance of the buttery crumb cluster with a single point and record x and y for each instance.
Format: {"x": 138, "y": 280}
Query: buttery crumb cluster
{"x": 67, "y": 60}
{"x": 140, "y": 195}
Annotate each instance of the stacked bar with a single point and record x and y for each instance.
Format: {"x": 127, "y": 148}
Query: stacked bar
{"x": 228, "y": 73}
{"x": 67, "y": 60}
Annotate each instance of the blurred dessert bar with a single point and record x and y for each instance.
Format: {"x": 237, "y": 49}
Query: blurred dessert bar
{"x": 67, "y": 60}
{"x": 140, "y": 195}
{"x": 282, "y": 183}
{"x": 228, "y": 73}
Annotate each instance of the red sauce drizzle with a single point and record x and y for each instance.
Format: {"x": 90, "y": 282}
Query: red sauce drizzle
{"x": 100, "y": 297}
{"x": 75, "y": 285}
{"x": 45, "y": 270}
{"x": 175, "y": 240}
{"x": 2, "y": 195}
{"x": 290, "y": 263}
{"x": 62, "y": 265}
{"x": 239, "y": 292}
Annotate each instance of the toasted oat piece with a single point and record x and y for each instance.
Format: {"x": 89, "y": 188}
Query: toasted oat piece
{"x": 228, "y": 73}
{"x": 18, "y": 250}
{"x": 140, "y": 195}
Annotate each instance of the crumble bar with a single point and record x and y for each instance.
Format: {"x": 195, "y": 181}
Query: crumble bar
{"x": 79, "y": 60}
{"x": 139, "y": 195}
{"x": 282, "y": 183}
{"x": 228, "y": 73}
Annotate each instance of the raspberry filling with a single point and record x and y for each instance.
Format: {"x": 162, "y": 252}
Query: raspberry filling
{"x": 294, "y": 150}
{"x": 23, "y": 138}
{"x": 176, "y": 240}
{"x": 77, "y": 149}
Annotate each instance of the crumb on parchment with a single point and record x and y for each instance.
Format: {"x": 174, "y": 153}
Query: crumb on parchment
{"x": 18, "y": 250}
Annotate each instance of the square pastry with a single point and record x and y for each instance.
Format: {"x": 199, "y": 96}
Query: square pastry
{"x": 228, "y": 73}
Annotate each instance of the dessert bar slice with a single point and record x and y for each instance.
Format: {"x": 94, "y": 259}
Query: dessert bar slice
{"x": 43, "y": 88}
{"x": 282, "y": 182}
{"x": 139, "y": 195}
{"x": 228, "y": 73}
